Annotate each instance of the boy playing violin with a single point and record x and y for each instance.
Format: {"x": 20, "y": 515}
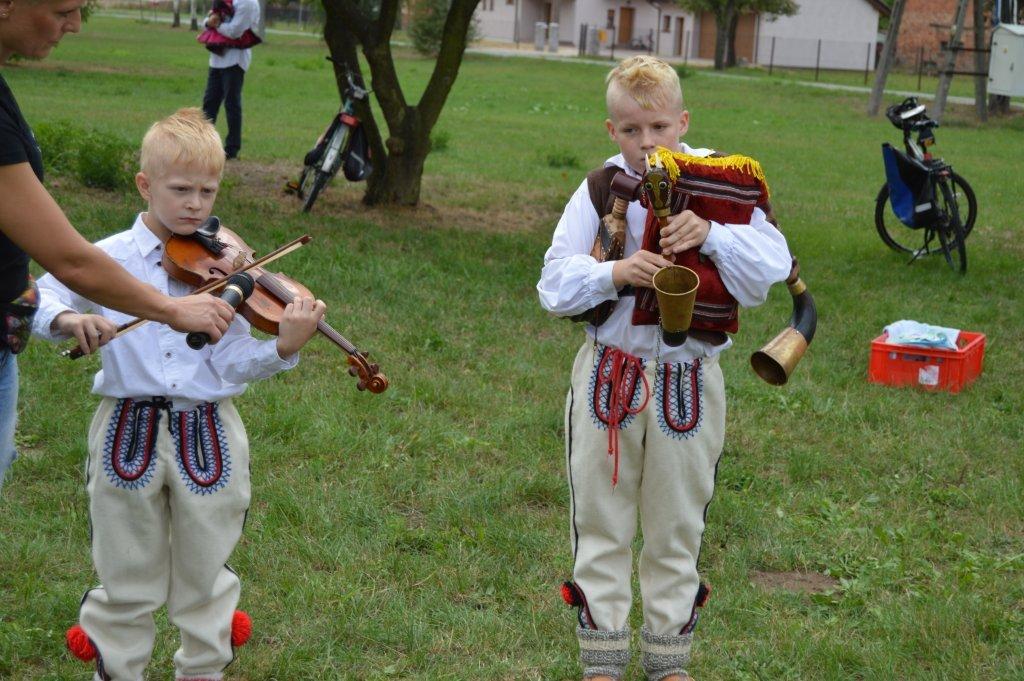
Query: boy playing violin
{"x": 168, "y": 467}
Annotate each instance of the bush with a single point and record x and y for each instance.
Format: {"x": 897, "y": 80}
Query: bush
{"x": 427, "y": 24}
{"x": 439, "y": 140}
{"x": 96, "y": 159}
{"x": 684, "y": 71}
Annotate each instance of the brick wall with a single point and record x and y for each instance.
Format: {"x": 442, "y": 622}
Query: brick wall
{"x": 927, "y": 24}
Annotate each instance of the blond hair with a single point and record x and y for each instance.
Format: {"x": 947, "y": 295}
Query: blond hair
{"x": 650, "y": 81}
{"x": 186, "y": 137}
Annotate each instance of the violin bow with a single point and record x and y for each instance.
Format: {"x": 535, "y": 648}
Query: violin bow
{"x": 76, "y": 351}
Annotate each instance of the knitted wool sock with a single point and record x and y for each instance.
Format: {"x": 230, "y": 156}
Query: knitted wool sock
{"x": 603, "y": 653}
{"x": 664, "y": 654}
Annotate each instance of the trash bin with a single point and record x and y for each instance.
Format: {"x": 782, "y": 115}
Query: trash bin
{"x": 540, "y": 34}
{"x": 593, "y": 43}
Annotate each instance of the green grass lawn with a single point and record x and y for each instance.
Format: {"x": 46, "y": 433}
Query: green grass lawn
{"x": 421, "y": 533}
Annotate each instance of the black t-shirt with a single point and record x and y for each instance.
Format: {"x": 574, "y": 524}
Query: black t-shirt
{"x": 17, "y": 145}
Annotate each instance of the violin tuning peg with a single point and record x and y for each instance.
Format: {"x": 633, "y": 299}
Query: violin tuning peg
{"x": 352, "y": 371}
{"x": 360, "y": 386}
{"x": 374, "y": 368}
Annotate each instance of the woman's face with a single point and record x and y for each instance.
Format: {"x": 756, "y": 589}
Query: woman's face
{"x": 31, "y": 30}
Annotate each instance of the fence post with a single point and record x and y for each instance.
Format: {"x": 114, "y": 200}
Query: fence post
{"x": 920, "y": 66}
{"x": 583, "y": 40}
{"x": 686, "y": 48}
{"x": 867, "y": 64}
{"x": 771, "y": 59}
{"x": 817, "y": 61}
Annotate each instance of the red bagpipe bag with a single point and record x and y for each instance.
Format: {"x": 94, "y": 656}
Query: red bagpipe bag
{"x": 723, "y": 189}
{"x": 216, "y": 42}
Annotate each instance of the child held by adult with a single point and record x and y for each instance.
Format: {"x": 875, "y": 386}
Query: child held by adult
{"x": 645, "y": 421}
{"x": 168, "y": 467}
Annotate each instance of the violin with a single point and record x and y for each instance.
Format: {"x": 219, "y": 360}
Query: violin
{"x": 215, "y": 252}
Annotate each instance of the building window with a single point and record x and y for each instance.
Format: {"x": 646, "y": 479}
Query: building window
{"x": 666, "y": 24}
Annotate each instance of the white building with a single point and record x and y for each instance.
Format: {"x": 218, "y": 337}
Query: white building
{"x": 839, "y": 34}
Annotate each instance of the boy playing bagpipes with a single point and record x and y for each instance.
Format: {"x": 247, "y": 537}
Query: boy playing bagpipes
{"x": 645, "y": 420}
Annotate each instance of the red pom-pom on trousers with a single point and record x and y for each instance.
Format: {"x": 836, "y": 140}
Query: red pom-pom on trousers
{"x": 79, "y": 644}
{"x": 241, "y": 628}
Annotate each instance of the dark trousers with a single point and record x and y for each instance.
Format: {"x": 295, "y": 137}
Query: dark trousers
{"x": 225, "y": 85}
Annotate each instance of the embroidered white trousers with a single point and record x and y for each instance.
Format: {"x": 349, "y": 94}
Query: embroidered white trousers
{"x": 668, "y": 454}
{"x": 168, "y": 496}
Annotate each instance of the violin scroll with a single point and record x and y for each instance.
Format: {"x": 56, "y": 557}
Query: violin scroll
{"x": 370, "y": 377}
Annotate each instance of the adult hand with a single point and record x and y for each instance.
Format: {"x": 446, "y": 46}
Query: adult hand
{"x": 200, "y": 312}
{"x": 213, "y": 20}
{"x": 637, "y": 269}
{"x": 298, "y": 324}
{"x": 683, "y": 232}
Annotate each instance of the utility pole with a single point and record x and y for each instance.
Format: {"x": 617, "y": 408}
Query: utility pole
{"x": 980, "y": 67}
{"x": 888, "y": 54}
{"x": 952, "y": 47}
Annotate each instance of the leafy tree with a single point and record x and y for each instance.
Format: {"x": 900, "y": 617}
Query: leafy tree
{"x": 727, "y": 15}
{"x": 367, "y": 25}
{"x": 426, "y": 26}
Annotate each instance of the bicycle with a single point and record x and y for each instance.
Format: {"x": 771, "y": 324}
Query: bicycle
{"x": 924, "y": 193}
{"x": 343, "y": 145}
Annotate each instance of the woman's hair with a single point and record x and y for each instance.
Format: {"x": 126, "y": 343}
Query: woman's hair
{"x": 653, "y": 83}
{"x": 186, "y": 137}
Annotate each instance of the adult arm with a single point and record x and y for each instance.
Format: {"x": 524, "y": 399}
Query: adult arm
{"x": 35, "y": 223}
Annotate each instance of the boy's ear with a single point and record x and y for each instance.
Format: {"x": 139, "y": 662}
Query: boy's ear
{"x": 141, "y": 182}
{"x": 611, "y": 128}
{"x": 684, "y": 122}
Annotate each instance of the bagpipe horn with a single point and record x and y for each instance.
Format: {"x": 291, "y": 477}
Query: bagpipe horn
{"x": 777, "y": 360}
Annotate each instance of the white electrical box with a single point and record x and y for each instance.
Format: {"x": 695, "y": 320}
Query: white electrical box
{"x": 1006, "y": 63}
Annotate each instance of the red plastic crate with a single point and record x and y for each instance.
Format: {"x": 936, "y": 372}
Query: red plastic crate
{"x": 928, "y": 368}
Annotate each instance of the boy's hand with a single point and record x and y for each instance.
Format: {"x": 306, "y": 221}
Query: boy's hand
{"x": 213, "y": 20}
{"x": 298, "y": 324}
{"x": 638, "y": 269}
{"x": 90, "y": 330}
{"x": 683, "y": 232}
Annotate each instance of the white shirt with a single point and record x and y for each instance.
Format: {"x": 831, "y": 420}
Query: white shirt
{"x": 153, "y": 360}
{"x": 246, "y": 16}
{"x": 750, "y": 258}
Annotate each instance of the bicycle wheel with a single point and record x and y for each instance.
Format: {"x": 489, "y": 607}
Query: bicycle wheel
{"x": 320, "y": 180}
{"x": 951, "y": 231}
{"x": 965, "y": 196}
{"x": 894, "y": 233}
{"x": 306, "y": 181}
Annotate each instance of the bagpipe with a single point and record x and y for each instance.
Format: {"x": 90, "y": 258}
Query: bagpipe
{"x": 216, "y": 42}
{"x": 689, "y": 297}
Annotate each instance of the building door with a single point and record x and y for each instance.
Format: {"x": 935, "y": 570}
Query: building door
{"x": 706, "y": 42}
{"x": 625, "y": 25}
{"x": 746, "y": 28}
{"x": 680, "y": 46}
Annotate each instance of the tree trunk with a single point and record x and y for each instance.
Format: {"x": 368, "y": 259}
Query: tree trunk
{"x": 193, "y": 20}
{"x": 946, "y": 76}
{"x": 888, "y": 54}
{"x": 730, "y": 55}
{"x": 721, "y": 40}
{"x": 177, "y": 14}
{"x": 397, "y": 161}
